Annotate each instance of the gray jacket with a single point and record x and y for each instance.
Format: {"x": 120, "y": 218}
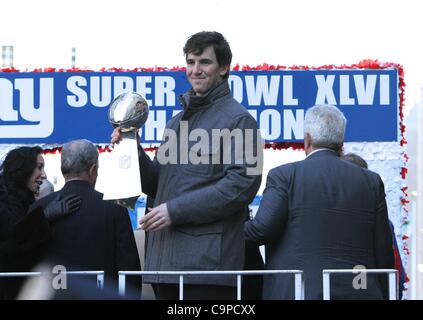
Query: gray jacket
{"x": 207, "y": 203}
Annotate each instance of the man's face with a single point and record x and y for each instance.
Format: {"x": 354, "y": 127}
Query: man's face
{"x": 203, "y": 71}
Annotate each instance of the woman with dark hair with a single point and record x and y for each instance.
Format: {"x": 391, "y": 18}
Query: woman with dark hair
{"x": 23, "y": 173}
{"x": 23, "y": 229}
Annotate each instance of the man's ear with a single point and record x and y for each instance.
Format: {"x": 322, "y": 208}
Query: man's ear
{"x": 307, "y": 141}
{"x": 224, "y": 70}
{"x": 93, "y": 171}
{"x": 341, "y": 150}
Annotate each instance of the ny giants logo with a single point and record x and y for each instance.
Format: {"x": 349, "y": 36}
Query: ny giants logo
{"x": 24, "y": 111}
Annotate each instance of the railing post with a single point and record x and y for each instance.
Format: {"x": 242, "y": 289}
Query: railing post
{"x": 100, "y": 280}
{"x": 392, "y": 285}
{"x": 181, "y": 287}
{"x": 299, "y": 286}
{"x": 391, "y": 273}
{"x": 122, "y": 279}
{"x": 326, "y": 286}
{"x": 238, "y": 286}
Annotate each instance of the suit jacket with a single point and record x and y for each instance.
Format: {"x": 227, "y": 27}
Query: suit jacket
{"x": 323, "y": 213}
{"x": 96, "y": 237}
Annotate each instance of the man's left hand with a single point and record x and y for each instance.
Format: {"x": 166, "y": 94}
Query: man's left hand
{"x": 157, "y": 218}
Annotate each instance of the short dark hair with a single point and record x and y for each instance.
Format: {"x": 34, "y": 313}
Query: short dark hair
{"x": 355, "y": 158}
{"x": 19, "y": 165}
{"x": 204, "y": 39}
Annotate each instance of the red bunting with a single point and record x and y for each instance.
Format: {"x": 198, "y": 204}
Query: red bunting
{"x": 104, "y": 149}
{"x": 404, "y": 172}
{"x": 52, "y": 150}
{"x": 56, "y": 150}
{"x": 404, "y": 201}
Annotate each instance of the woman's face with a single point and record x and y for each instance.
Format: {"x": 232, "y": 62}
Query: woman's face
{"x": 37, "y": 177}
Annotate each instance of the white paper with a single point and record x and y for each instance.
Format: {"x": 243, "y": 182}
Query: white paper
{"x": 118, "y": 174}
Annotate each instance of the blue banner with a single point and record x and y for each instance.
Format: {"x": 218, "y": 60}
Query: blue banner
{"x": 59, "y": 107}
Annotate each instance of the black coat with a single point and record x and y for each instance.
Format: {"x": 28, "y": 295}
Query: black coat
{"x": 96, "y": 237}
{"x": 22, "y": 235}
{"x": 14, "y": 204}
{"x": 323, "y": 213}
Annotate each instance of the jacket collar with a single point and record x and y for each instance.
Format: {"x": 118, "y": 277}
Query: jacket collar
{"x": 190, "y": 101}
{"x": 322, "y": 153}
{"x": 80, "y": 184}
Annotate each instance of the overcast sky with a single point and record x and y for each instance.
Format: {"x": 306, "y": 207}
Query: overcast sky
{"x": 129, "y": 33}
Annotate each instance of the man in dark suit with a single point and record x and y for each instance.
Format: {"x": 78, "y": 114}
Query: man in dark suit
{"x": 99, "y": 235}
{"x": 323, "y": 213}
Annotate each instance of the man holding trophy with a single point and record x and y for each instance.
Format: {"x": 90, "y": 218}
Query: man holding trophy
{"x": 197, "y": 222}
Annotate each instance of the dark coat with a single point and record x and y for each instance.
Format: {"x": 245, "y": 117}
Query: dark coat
{"x": 207, "y": 203}
{"x": 323, "y": 213}
{"x": 22, "y": 235}
{"x": 96, "y": 237}
{"x": 252, "y": 285}
{"x": 14, "y": 204}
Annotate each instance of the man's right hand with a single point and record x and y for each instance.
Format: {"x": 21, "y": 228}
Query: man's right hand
{"x": 116, "y": 136}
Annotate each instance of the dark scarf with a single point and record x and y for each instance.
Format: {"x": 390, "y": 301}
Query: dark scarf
{"x": 190, "y": 101}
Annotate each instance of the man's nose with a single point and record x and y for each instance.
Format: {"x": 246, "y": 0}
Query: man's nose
{"x": 197, "y": 68}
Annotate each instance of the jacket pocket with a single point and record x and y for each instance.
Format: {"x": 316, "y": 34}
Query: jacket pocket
{"x": 202, "y": 162}
{"x": 197, "y": 248}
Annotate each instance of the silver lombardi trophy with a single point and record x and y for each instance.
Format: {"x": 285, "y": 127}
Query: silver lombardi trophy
{"x": 129, "y": 112}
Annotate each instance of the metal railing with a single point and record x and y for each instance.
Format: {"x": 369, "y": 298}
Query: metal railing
{"x": 99, "y": 274}
{"x": 391, "y": 273}
{"x": 298, "y": 274}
